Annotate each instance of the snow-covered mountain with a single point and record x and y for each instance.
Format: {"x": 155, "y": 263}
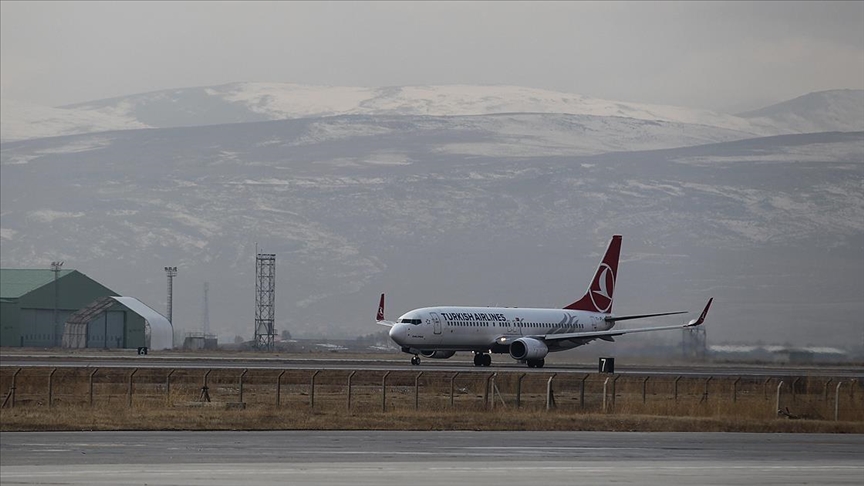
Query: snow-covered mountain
{"x": 252, "y": 102}
{"x": 445, "y": 195}
{"x": 504, "y": 209}
{"x": 839, "y": 110}
{"x": 22, "y": 121}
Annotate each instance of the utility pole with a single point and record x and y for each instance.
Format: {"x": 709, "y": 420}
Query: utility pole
{"x": 205, "y": 320}
{"x": 171, "y": 272}
{"x": 55, "y": 267}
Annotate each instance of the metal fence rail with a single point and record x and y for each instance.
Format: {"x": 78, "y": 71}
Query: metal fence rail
{"x": 361, "y": 390}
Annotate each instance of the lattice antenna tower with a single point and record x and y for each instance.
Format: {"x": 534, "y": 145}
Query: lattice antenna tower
{"x": 693, "y": 342}
{"x": 205, "y": 320}
{"x": 265, "y": 300}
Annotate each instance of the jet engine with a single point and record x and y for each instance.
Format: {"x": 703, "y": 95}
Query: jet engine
{"x": 437, "y": 354}
{"x": 528, "y": 349}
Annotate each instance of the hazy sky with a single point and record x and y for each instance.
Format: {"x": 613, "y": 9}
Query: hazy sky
{"x": 728, "y": 56}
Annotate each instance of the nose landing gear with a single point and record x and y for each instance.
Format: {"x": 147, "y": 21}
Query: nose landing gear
{"x": 482, "y": 359}
{"x": 415, "y": 360}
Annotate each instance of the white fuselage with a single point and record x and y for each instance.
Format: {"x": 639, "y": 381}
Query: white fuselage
{"x": 481, "y": 328}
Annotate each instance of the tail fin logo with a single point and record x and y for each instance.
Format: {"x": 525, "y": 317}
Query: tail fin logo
{"x": 602, "y": 288}
{"x": 380, "y": 315}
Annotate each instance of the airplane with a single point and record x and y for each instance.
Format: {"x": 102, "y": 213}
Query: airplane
{"x": 526, "y": 334}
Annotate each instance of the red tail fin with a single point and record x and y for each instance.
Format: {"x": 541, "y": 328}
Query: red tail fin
{"x": 598, "y": 298}
{"x": 380, "y": 315}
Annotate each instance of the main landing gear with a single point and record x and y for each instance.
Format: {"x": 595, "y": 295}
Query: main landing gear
{"x": 536, "y": 363}
{"x": 482, "y": 359}
{"x": 415, "y": 360}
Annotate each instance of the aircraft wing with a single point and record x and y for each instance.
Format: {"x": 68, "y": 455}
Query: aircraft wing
{"x": 641, "y": 316}
{"x": 608, "y": 335}
{"x": 379, "y": 318}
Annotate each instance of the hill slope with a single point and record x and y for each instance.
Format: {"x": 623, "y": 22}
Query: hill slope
{"x": 427, "y": 209}
{"x": 252, "y": 102}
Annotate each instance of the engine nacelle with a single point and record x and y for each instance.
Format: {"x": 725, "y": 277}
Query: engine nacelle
{"x": 437, "y": 354}
{"x": 528, "y": 348}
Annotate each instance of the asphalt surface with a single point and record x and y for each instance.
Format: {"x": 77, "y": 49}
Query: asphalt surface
{"x": 398, "y": 458}
{"x": 500, "y": 363}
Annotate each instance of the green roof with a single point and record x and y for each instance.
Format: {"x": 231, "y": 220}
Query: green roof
{"x": 16, "y": 282}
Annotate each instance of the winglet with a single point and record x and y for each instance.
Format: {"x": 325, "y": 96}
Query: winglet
{"x": 696, "y": 322}
{"x": 380, "y": 316}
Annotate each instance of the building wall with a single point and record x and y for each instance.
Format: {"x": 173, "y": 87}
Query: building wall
{"x": 38, "y": 328}
{"x": 118, "y": 327}
{"x": 9, "y": 323}
{"x": 74, "y": 291}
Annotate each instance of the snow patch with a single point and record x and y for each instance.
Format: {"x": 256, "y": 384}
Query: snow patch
{"x": 49, "y": 215}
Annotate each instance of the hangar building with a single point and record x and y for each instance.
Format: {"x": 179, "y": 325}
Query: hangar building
{"x": 27, "y": 300}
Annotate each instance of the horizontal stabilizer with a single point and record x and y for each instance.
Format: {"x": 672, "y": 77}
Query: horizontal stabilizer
{"x": 606, "y": 335}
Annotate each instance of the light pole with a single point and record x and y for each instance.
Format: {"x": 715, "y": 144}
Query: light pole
{"x": 171, "y": 272}
{"x": 55, "y": 267}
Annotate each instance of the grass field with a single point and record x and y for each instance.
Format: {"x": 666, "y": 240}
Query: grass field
{"x": 158, "y": 399}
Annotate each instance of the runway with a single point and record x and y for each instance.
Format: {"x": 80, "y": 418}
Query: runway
{"x": 398, "y": 458}
{"x": 400, "y": 363}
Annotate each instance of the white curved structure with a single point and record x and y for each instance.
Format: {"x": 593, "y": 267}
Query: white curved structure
{"x": 161, "y": 330}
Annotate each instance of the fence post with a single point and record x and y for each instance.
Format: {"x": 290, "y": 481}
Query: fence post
{"x": 351, "y": 375}
{"x": 241, "y": 384}
{"x": 645, "y": 388}
{"x": 492, "y": 388}
{"x": 519, "y": 390}
{"x": 14, "y": 387}
{"x": 279, "y": 389}
{"x": 777, "y": 402}
{"x": 582, "y": 392}
{"x": 384, "y": 392}
{"x": 705, "y": 393}
{"x": 51, "y": 387}
{"x": 614, "y": 381}
{"x": 794, "y": 383}
{"x": 486, "y": 392}
{"x": 765, "y": 387}
{"x": 452, "y": 381}
{"x": 92, "y": 373}
{"x": 676, "y": 387}
{"x": 417, "y": 391}
{"x": 605, "y": 384}
{"x": 735, "y": 389}
{"x": 837, "y": 402}
{"x": 168, "y": 387}
{"x": 129, "y": 402}
{"x": 828, "y": 382}
{"x": 852, "y": 384}
{"x": 205, "y": 390}
{"x": 312, "y": 390}
{"x": 550, "y": 399}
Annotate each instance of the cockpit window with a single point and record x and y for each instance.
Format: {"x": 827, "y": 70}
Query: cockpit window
{"x": 410, "y": 321}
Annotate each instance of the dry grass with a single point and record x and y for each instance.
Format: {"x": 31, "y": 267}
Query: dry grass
{"x": 658, "y": 404}
{"x": 272, "y": 418}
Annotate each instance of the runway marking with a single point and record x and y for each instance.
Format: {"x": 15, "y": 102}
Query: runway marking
{"x": 384, "y": 468}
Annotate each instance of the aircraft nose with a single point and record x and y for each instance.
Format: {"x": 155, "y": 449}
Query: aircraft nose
{"x": 397, "y": 333}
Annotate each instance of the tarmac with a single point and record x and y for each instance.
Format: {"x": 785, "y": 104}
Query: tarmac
{"x": 426, "y": 457}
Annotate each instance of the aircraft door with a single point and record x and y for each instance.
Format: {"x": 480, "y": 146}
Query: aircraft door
{"x": 436, "y": 322}
{"x": 512, "y": 328}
